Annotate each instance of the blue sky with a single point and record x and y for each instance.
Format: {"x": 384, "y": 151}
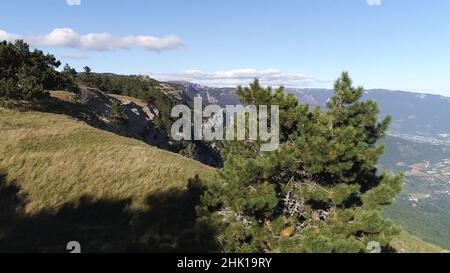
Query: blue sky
{"x": 393, "y": 44}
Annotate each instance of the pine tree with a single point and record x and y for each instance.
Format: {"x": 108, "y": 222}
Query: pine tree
{"x": 68, "y": 75}
{"x": 26, "y": 74}
{"x": 87, "y": 76}
{"x": 118, "y": 112}
{"x": 319, "y": 192}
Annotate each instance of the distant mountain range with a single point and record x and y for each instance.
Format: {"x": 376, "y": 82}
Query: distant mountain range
{"x": 416, "y": 117}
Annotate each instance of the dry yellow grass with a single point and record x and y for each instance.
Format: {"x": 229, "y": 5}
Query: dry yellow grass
{"x": 63, "y": 95}
{"x": 131, "y": 99}
{"x": 55, "y": 159}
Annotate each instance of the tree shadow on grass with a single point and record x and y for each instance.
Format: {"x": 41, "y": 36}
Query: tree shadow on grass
{"x": 12, "y": 202}
{"x": 170, "y": 224}
{"x": 54, "y": 105}
{"x": 104, "y": 225}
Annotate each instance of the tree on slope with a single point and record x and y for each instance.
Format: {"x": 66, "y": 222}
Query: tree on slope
{"x": 319, "y": 192}
{"x": 26, "y": 74}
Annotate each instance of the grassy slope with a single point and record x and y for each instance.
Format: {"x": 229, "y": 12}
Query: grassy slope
{"x": 126, "y": 98}
{"x": 56, "y": 159}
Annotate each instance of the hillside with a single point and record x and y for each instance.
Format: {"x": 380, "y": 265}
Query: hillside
{"x": 75, "y": 182}
{"x": 101, "y": 164}
{"x": 63, "y": 180}
{"x": 406, "y": 243}
{"x": 425, "y": 196}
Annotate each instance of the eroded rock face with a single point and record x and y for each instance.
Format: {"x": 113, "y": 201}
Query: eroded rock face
{"x": 140, "y": 124}
{"x": 95, "y": 100}
{"x": 140, "y": 117}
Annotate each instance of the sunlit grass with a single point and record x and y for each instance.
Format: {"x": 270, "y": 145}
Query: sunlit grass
{"x": 55, "y": 159}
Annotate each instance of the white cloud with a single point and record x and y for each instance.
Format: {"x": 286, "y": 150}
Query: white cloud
{"x": 63, "y": 37}
{"x": 268, "y": 77}
{"x": 66, "y": 37}
{"x": 73, "y": 2}
{"x": 374, "y": 2}
{"x": 9, "y": 37}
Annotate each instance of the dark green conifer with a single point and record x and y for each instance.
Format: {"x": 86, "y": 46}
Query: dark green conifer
{"x": 319, "y": 192}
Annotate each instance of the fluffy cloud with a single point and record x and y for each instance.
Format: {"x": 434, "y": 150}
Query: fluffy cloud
{"x": 374, "y": 2}
{"x": 272, "y": 77}
{"x": 5, "y": 36}
{"x": 66, "y": 37}
{"x": 73, "y": 2}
